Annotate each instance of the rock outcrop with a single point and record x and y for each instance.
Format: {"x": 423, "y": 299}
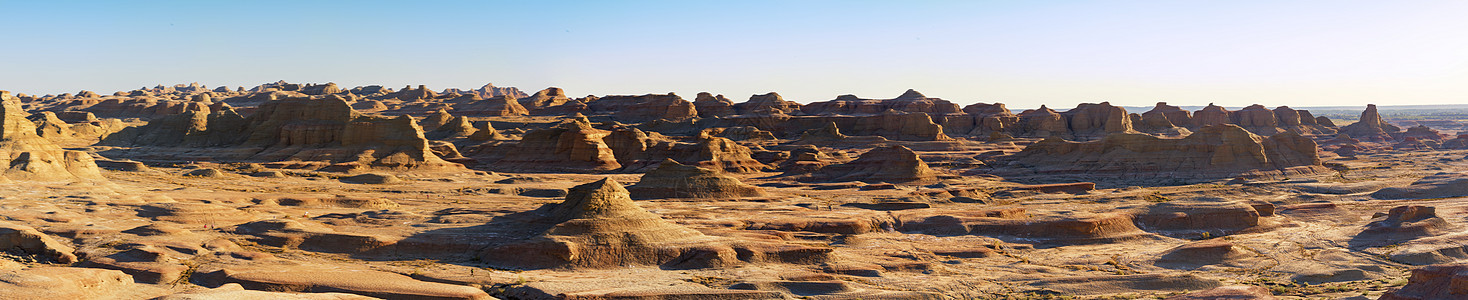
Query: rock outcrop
{"x": 1442, "y": 281}
{"x": 675, "y": 180}
{"x": 910, "y": 101}
{"x": 573, "y": 145}
{"x": 1371, "y": 127}
{"x": 638, "y": 109}
{"x": 1212, "y": 151}
{"x": 545, "y": 100}
{"x": 1404, "y": 223}
{"x": 709, "y": 105}
{"x": 501, "y": 105}
{"x": 1441, "y": 185}
{"x": 889, "y": 164}
{"x": 25, "y": 155}
{"x": 1043, "y": 122}
{"x": 25, "y": 241}
{"x": 767, "y": 104}
{"x": 1090, "y": 120}
{"x": 599, "y": 226}
{"x": 321, "y": 133}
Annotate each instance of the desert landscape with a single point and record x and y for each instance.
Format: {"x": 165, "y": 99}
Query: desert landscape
{"x": 317, "y": 191}
{"x": 724, "y": 150}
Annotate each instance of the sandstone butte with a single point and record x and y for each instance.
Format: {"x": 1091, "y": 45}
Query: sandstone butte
{"x": 319, "y": 191}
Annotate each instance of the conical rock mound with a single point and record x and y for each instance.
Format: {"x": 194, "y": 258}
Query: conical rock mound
{"x": 892, "y": 164}
{"x": 675, "y": 180}
{"x": 599, "y": 226}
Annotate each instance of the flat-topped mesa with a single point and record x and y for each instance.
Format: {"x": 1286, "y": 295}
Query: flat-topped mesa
{"x": 644, "y": 108}
{"x": 1219, "y": 151}
{"x": 889, "y": 164}
{"x": 910, "y": 101}
{"x": 573, "y": 145}
{"x": 675, "y": 180}
{"x": 25, "y": 155}
{"x": 709, "y": 105}
{"x": 1371, "y": 127}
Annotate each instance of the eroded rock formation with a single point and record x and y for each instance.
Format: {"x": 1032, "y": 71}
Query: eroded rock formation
{"x": 675, "y": 180}
{"x": 25, "y": 155}
{"x": 890, "y": 164}
{"x": 1212, "y": 151}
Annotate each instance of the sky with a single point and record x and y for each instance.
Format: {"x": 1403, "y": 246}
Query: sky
{"x": 1022, "y": 53}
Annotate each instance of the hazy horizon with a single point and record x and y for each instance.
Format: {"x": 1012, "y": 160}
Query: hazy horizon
{"x": 1057, "y": 53}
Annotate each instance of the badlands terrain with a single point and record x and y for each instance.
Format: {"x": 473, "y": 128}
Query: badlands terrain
{"x": 315, "y": 191}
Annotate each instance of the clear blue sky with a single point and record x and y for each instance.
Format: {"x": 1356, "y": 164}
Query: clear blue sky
{"x": 1024, "y": 53}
